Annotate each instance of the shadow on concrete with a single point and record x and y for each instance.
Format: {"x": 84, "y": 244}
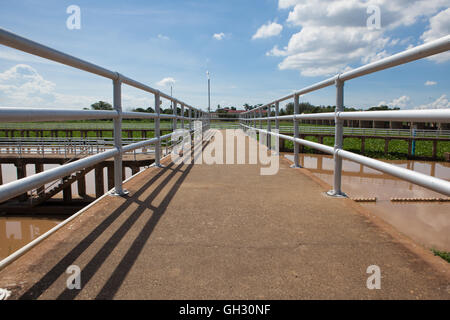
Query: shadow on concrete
{"x": 114, "y": 282}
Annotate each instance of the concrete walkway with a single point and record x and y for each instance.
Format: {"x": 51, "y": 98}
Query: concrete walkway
{"x": 226, "y": 232}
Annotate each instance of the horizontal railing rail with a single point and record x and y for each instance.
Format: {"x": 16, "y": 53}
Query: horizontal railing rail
{"x": 62, "y": 146}
{"x": 437, "y": 115}
{"x": 80, "y": 126}
{"x": 253, "y": 119}
{"x": 445, "y": 134}
{"x": 15, "y": 188}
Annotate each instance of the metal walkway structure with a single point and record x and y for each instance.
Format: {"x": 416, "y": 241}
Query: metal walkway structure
{"x": 222, "y": 231}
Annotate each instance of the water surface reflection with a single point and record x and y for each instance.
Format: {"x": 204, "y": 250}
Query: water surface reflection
{"x": 426, "y": 223}
{"x": 15, "y": 232}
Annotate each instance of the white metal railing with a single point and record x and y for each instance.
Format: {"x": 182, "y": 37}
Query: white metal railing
{"x": 60, "y": 146}
{"x": 97, "y": 126}
{"x": 15, "y": 188}
{"x": 253, "y": 119}
{"x": 419, "y": 133}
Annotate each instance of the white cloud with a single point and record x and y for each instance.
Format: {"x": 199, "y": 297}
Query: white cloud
{"x": 284, "y": 4}
{"x": 131, "y": 102}
{"x": 334, "y": 36}
{"x": 405, "y": 102}
{"x": 440, "y": 103}
{"x": 430, "y": 83}
{"x": 25, "y": 77}
{"x": 276, "y": 52}
{"x": 23, "y": 86}
{"x": 219, "y": 36}
{"x": 268, "y": 30}
{"x": 439, "y": 27}
{"x": 323, "y": 50}
{"x": 401, "y": 102}
{"x": 166, "y": 82}
{"x": 163, "y": 37}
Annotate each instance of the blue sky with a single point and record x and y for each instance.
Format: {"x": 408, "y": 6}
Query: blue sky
{"x": 303, "y": 42}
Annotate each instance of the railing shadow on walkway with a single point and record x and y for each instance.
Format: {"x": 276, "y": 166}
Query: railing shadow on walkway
{"x": 117, "y": 277}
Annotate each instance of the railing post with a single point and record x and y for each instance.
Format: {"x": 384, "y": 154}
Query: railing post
{"x": 296, "y": 133}
{"x": 252, "y": 119}
{"x": 174, "y": 123}
{"x": 182, "y": 115}
{"x": 338, "y": 141}
{"x": 209, "y": 120}
{"x": 158, "y": 130}
{"x": 117, "y": 103}
{"x": 269, "y": 126}
{"x": 190, "y": 119}
{"x": 260, "y": 116}
{"x": 277, "y": 113}
{"x": 203, "y": 120}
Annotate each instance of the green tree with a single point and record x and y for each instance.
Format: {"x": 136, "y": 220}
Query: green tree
{"x": 148, "y": 110}
{"x": 289, "y": 108}
{"x": 167, "y": 111}
{"x": 382, "y": 108}
{"x": 101, "y": 105}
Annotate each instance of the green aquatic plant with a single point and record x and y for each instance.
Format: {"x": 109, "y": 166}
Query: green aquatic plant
{"x": 443, "y": 254}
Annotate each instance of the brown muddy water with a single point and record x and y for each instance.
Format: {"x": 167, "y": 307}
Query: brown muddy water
{"x": 15, "y": 232}
{"x": 425, "y": 223}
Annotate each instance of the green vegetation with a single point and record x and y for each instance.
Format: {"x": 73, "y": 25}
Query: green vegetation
{"x": 443, "y": 254}
{"x": 374, "y": 148}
